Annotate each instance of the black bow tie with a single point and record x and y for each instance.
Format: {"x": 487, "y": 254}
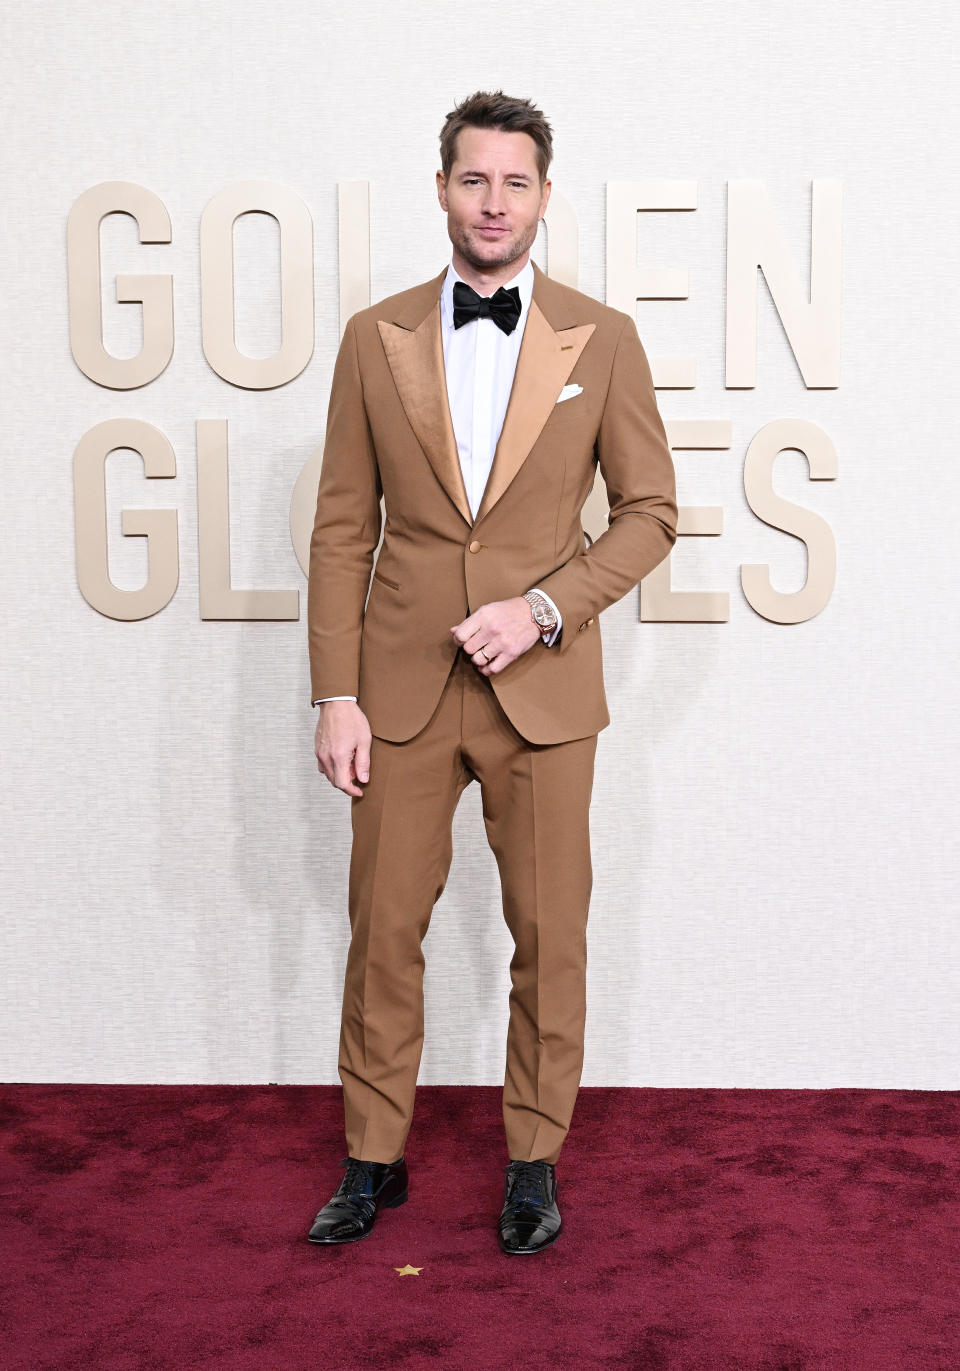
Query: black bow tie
{"x": 503, "y": 306}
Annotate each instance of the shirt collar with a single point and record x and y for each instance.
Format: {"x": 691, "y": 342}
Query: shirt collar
{"x": 523, "y": 281}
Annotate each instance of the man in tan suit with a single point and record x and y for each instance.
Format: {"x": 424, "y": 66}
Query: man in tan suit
{"x": 478, "y": 407}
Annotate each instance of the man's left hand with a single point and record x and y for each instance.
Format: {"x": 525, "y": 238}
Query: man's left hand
{"x": 503, "y": 628}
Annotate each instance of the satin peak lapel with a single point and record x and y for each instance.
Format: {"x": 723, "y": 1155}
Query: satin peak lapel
{"x": 413, "y": 345}
{"x": 545, "y": 360}
{"x": 415, "y": 357}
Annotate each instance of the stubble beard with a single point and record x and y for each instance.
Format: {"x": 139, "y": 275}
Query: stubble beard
{"x": 520, "y": 245}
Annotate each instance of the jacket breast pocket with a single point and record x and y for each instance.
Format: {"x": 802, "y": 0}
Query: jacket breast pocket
{"x": 566, "y": 412}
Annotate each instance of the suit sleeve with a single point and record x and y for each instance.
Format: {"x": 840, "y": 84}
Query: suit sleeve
{"x": 637, "y": 468}
{"x": 346, "y": 531}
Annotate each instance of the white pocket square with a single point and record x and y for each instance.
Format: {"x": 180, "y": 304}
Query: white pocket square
{"x": 568, "y": 391}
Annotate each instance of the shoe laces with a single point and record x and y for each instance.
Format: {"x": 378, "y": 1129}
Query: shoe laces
{"x": 529, "y": 1183}
{"x": 358, "y": 1179}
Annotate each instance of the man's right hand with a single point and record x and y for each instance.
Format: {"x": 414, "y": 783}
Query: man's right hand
{"x": 342, "y": 744}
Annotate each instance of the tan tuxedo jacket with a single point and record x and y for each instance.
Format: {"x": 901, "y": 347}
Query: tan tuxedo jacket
{"x": 390, "y": 434}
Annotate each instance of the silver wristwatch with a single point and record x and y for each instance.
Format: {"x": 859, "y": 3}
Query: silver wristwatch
{"x": 544, "y": 616}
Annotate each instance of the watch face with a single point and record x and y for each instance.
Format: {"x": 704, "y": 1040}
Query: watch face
{"x": 542, "y": 613}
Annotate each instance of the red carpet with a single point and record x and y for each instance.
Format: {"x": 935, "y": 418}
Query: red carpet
{"x": 155, "y": 1227}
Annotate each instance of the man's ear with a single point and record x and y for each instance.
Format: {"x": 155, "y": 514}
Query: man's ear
{"x": 441, "y": 189}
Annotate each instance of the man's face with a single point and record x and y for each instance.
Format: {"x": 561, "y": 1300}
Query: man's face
{"x": 493, "y": 198}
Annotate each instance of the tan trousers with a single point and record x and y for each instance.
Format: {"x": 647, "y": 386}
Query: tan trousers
{"x": 536, "y": 801}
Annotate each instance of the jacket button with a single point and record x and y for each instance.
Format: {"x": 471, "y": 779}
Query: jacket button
{"x": 589, "y": 621}
{"x": 475, "y": 546}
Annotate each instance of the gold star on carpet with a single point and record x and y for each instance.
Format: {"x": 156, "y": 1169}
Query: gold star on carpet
{"x": 408, "y": 1270}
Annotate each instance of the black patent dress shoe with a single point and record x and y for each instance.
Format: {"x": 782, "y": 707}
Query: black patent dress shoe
{"x": 366, "y": 1186}
{"x": 530, "y": 1219}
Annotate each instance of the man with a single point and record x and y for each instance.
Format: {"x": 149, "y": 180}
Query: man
{"x": 478, "y": 405}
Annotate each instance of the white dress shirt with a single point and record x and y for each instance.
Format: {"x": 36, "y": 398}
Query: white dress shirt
{"x": 480, "y": 361}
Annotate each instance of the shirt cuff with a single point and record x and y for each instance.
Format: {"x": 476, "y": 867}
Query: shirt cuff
{"x": 334, "y": 697}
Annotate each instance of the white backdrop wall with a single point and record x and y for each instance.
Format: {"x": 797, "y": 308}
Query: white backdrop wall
{"x": 774, "y": 813}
